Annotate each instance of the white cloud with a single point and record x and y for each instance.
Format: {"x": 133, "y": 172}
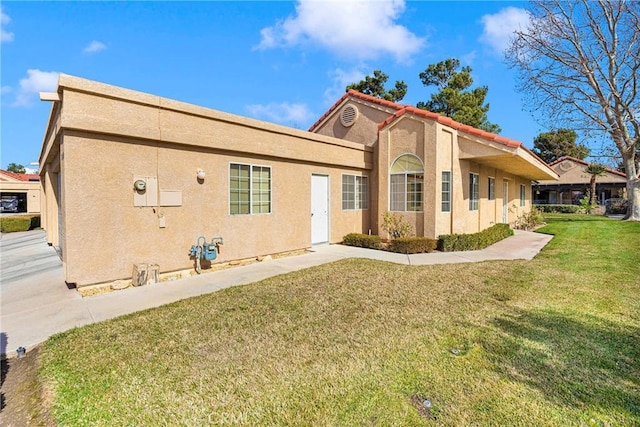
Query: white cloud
{"x": 35, "y": 82}
{"x": 5, "y": 89}
{"x": 340, "y": 80}
{"x": 499, "y": 28}
{"x": 5, "y": 36}
{"x": 94, "y": 46}
{"x": 350, "y": 28}
{"x": 468, "y": 58}
{"x": 296, "y": 115}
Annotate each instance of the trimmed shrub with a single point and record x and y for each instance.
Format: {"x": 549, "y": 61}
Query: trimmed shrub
{"x": 12, "y": 224}
{"x": 475, "y": 241}
{"x": 362, "y": 240}
{"x": 558, "y": 208}
{"x": 413, "y": 245}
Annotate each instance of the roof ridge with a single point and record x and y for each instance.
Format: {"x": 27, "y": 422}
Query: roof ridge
{"x": 585, "y": 163}
{"x": 20, "y": 176}
{"x": 447, "y": 121}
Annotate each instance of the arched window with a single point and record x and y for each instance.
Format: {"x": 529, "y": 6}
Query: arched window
{"x": 407, "y": 182}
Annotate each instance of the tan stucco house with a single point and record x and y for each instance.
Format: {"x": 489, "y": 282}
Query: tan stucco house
{"x": 264, "y": 188}
{"x": 574, "y": 182}
{"x": 21, "y": 188}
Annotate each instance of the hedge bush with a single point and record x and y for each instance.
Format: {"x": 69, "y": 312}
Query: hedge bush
{"x": 11, "y": 224}
{"x": 413, "y": 245}
{"x": 362, "y": 240}
{"x": 558, "y": 208}
{"x": 475, "y": 241}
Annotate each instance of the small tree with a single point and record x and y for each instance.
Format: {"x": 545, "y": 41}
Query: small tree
{"x": 394, "y": 224}
{"x": 585, "y": 203}
{"x": 595, "y": 170}
{"x": 374, "y": 86}
{"x": 16, "y": 168}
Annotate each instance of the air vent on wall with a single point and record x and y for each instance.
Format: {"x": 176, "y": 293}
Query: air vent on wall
{"x": 567, "y": 165}
{"x": 349, "y": 115}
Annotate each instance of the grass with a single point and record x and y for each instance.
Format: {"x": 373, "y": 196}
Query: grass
{"x": 553, "y": 341}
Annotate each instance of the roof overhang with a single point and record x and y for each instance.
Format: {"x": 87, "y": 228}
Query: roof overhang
{"x": 513, "y": 159}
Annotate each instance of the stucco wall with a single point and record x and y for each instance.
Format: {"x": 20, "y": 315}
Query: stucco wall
{"x": 572, "y": 172}
{"x": 365, "y": 128}
{"x": 98, "y": 183}
{"x": 444, "y": 162}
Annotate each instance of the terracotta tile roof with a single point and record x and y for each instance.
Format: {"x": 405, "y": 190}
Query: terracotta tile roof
{"x": 408, "y": 109}
{"x": 582, "y": 162}
{"x": 20, "y": 176}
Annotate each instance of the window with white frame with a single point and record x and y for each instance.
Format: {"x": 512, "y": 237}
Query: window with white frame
{"x": 492, "y": 189}
{"x": 446, "y": 191}
{"x": 355, "y": 192}
{"x": 407, "y": 181}
{"x": 474, "y": 191}
{"x": 523, "y": 195}
{"x": 249, "y": 189}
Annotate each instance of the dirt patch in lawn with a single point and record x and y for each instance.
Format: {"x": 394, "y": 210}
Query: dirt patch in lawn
{"x": 21, "y": 392}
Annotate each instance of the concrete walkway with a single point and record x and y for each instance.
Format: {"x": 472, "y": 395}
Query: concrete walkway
{"x": 36, "y": 303}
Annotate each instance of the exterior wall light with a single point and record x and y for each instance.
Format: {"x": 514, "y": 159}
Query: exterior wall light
{"x": 201, "y": 174}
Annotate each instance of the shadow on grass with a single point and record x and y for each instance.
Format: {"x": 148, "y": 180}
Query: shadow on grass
{"x": 577, "y": 361}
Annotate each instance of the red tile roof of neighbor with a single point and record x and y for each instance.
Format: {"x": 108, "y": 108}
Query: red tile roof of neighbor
{"x": 21, "y": 176}
{"x": 408, "y": 109}
{"x": 563, "y": 158}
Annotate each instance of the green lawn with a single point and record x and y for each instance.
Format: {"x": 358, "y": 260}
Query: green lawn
{"x": 553, "y": 341}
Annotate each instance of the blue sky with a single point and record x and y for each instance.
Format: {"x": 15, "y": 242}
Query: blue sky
{"x": 283, "y": 62}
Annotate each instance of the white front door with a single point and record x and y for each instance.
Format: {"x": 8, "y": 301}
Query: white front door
{"x": 505, "y": 202}
{"x": 319, "y": 209}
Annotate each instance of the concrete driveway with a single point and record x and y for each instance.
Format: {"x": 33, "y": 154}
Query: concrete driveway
{"x": 32, "y": 289}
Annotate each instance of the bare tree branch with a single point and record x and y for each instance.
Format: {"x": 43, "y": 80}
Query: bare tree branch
{"x": 578, "y": 63}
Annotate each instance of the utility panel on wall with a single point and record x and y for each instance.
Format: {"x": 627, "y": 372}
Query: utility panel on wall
{"x": 170, "y": 198}
{"x": 145, "y": 191}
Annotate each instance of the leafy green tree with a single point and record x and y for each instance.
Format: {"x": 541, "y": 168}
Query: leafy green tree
{"x": 552, "y": 145}
{"x": 595, "y": 170}
{"x": 16, "y": 168}
{"x": 455, "y": 99}
{"x": 374, "y": 86}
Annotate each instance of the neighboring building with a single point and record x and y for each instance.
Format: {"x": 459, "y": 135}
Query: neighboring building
{"x": 22, "y": 189}
{"x": 574, "y": 183}
{"x": 266, "y": 188}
